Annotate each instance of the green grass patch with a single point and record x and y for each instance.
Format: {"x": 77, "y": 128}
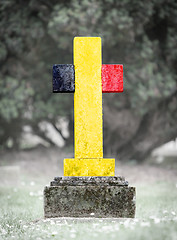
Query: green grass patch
{"x": 21, "y": 216}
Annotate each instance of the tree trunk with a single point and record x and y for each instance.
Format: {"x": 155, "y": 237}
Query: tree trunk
{"x": 155, "y": 128}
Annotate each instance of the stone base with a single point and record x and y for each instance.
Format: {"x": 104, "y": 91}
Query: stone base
{"x": 89, "y": 167}
{"x": 106, "y": 197}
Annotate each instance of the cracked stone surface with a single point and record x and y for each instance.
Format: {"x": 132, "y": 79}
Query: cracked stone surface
{"x": 85, "y": 181}
{"x": 89, "y": 197}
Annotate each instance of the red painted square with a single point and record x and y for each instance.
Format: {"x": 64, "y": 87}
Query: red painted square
{"x": 112, "y": 78}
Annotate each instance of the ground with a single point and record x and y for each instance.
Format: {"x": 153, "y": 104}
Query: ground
{"x": 23, "y": 176}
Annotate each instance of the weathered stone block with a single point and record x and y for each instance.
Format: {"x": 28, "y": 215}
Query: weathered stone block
{"x": 89, "y": 167}
{"x": 89, "y": 197}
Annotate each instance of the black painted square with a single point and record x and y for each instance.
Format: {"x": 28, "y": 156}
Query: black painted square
{"x": 63, "y": 78}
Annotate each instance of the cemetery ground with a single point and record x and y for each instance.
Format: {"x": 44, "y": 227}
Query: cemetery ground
{"x": 23, "y": 176}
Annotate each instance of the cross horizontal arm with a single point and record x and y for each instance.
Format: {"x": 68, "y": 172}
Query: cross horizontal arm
{"x": 64, "y": 78}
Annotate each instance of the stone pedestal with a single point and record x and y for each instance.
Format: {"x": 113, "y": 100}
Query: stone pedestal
{"x": 101, "y": 197}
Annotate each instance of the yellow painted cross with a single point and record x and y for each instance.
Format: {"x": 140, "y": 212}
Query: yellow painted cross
{"x": 90, "y": 80}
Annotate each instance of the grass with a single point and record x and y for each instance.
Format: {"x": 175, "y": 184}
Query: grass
{"x": 21, "y": 202}
{"x": 21, "y": 216}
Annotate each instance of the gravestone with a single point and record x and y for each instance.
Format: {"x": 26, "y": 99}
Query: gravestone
{"x": 89, "y": 187}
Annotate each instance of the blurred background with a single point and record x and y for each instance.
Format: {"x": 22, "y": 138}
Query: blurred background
{"x": 141, "y": 35}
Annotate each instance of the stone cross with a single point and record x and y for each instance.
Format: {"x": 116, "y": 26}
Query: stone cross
{"x": 88, "y": 78}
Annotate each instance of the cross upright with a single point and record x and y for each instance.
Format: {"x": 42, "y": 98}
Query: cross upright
{"x": 88, "y": 78}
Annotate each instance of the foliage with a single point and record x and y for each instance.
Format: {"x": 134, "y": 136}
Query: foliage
{"x": 34, "y": 35}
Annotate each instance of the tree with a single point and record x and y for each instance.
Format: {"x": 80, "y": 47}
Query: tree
{"x": 141, "y": 35}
